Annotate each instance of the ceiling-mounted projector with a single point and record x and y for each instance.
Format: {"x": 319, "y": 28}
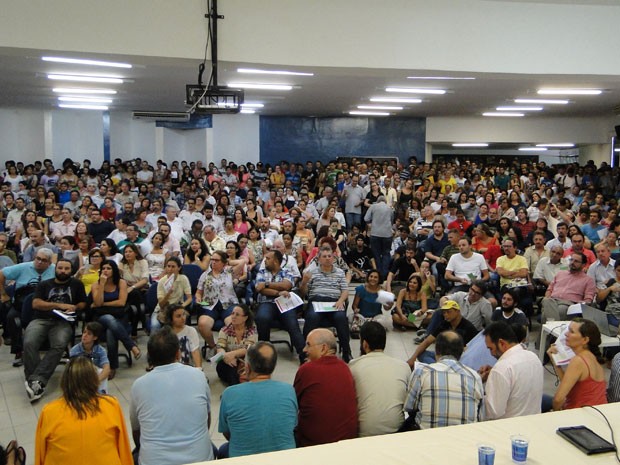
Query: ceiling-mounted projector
{"x": 213, "y": 99}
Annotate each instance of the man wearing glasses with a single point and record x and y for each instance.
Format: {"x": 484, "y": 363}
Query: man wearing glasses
{"x": 26, "y": 276}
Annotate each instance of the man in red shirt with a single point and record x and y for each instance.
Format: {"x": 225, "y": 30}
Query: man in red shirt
{"x": 325, "y": 394}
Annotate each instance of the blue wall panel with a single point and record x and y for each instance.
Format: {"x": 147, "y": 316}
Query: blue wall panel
{"x": 300, "y": 138}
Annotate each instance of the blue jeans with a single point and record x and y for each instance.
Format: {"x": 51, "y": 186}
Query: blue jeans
{"x": 268, "y": 312}
{"x": 116, "y": 330}
{"x": 436, "y": 320}
{"x": 336, "y": 319}
{"x": 58, "y": 333}
{"x": 381, "y": 247}
{"x": 353, "y": 218}
{"x": 428, "y": 356}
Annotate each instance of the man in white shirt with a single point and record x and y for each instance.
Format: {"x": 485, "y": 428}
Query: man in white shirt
{"x": 176, "y": 224}
{"x": 380, "y": 384}
{"x": 210, "y": 220}
{"x": 65, "y": 227}
{"x": 466, "y": 266}
{"x": 189, "y": 214}
{"x": 603, "y": 269}
{"x": 156, "y": 212}
{"x": 145, "y": 174}
{"x": 514, "y": 386}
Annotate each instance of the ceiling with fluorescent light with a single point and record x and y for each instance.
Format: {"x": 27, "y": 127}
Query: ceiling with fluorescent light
{"x": 159, "y": 84}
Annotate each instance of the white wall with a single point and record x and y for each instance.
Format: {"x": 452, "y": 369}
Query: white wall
{"x": 77, "y": 135}
{"x": 530, "y": 129}
{"x": 236, "y": 138}
{"x": 131, "y": 137}
{"x": 22, "y": 133}
{"x": 466, "y": 35}
{"x": 29, "y": 135}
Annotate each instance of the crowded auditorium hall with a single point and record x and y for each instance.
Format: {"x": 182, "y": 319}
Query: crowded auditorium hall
{"x": 284, "y": 279}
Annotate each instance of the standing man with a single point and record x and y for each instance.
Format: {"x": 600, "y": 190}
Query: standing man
{"x": 354, "y": 199}
{"x": 273, "y": 281}
{"x": 446, "y": 392}
{"x": 54, "y": 301}
{"x": 515, "y": 384}
{"x": 325, "y": 393}
{"x": 380, "y": 217}
{"x": 239, "y": 409}
{"x": 170, "y": 407}
{"x": 380, "y": 384}
{"x": 327, "y": 283}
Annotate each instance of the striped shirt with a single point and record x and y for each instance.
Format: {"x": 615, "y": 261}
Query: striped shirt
{"x": 445, "y": 393}
{"x": 326, "y": 284}
{"x": 613, "y": 389}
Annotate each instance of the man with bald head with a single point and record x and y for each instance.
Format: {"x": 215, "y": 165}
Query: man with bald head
{"x": 325, "y": 393}
{"x": 447, "y": 392}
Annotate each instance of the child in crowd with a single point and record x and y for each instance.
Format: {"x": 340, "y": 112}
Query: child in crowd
{"x": 89, "y": 347}
{"x": 189, "y": 344}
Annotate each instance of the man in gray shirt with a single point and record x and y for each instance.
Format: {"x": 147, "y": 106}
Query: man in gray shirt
{"x": 379, "y": 215}
{"x": 354, "y": 198}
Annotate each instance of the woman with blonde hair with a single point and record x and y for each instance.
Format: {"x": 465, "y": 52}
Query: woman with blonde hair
{"x": 82, "y": 426}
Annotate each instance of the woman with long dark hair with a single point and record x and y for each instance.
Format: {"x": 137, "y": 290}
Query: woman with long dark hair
{"x": 82, "y": 423}
{"x": 109, "y": 306}
{"x": 582, "y": 382}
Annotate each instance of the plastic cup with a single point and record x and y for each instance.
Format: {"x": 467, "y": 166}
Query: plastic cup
{"x": 519, "y": 448}
{"x": 486, "y": 454}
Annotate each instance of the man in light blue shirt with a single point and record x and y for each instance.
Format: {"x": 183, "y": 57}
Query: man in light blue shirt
{"x": 251, "y": 425}
{"x": 170, "y": 407}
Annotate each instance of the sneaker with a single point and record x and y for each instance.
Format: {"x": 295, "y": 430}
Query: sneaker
{"x": 420, "y": 332}
{"x": 35, "y": 390}
{"x": 210, "y": 352}
{"x": 18, "y": 360}
{"x": 419, "y": 339}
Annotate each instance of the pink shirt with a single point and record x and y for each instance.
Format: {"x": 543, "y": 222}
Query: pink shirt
{"x": 576, "y": 287}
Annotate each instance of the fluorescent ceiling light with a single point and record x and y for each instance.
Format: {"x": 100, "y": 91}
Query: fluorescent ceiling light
{"x": 532, "y": 149}
{"x": 248, "y": 85}
{"x": 569, "y": 91}
{"x": 502, "y": 113}
{"x": 616, "y": 150}
{"x": 471, "y": 144}
{"x": 556, "y": 145}
{"x": 378, "y": 107}
{"x": 267, "y": 71}
{"x": 84, "y": 99}
{"x": 83, "y": 107}
{"x": 85, "y": 78}
{"x": 66, "y": 90}
{"x": 413, "y": 90}
{"x": 519, "y": 108}
{"x": 541, "y": 101}
{"x": 248, "y": 111}
{"x": 395, "y": 100}
{"x": 442, "y": 78}
{"x": 77, "y": 61}
{"x": 369, "y": 113}
{"x": 252, "y": 105}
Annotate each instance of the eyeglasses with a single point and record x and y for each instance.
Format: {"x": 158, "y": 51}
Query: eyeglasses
{"x": 39, "y": 259}
{"x": 475, "y": 291}
{"x": 216, "y": 260}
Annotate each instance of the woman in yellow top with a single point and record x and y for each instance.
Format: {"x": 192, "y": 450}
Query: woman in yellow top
{"x": 89, "y": 275}
{"x": 277, "y": 178}
{"x": 82, "y": 426}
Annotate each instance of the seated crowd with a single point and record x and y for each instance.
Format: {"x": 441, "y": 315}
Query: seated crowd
{"x": 469, "y": 254}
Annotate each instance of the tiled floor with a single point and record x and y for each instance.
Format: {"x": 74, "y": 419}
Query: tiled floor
{"x": 19, "y": 417}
